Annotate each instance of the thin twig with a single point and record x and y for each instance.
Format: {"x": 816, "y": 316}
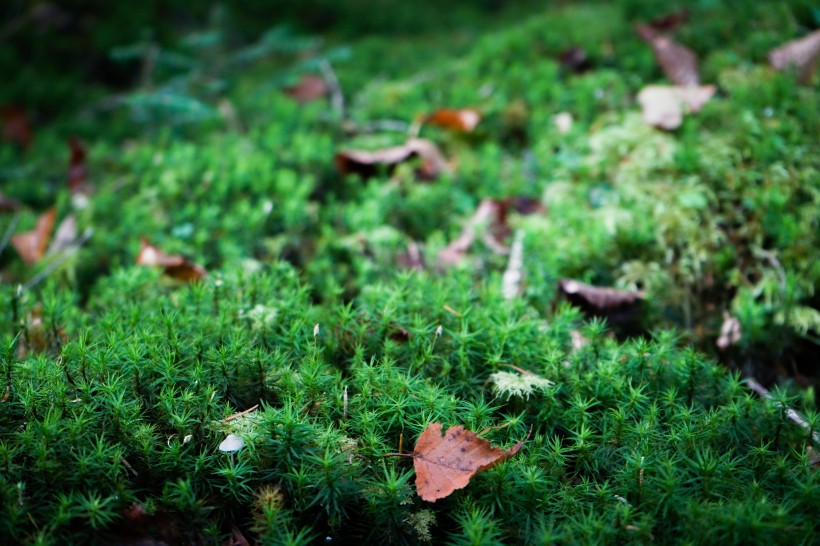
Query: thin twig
{"x": 337, "y": 98}
{"x": 9, "y": 230}
{"x": 240, "y": 414}
{"x": 793, "y": 415}
{"x": 67, "y": 253}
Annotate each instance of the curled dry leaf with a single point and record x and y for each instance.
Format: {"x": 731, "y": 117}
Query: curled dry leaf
{"x": 802, "y": 54}
{"x": 174, "y": 265}
{"x": 31, "y": 245}
{"x": 16, "y": 127}
{"x": 77, "y": 169}
{"x": 493, "y": 213}
{"x": 618, "y": 306}
{"x": 446, "y": 463}
{"x": 463, "y": 120}
{"x": 309, "y": 88}
{"x": 664, "y": 106}
{"x": 369, "y": 163}
{"x": 678, "y": 62}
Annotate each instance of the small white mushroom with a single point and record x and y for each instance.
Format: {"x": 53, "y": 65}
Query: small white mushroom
{"x": 231, "y": 443}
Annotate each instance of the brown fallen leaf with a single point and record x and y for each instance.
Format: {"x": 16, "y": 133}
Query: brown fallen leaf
{"x": 664, "y": 106}
{"x": 16, "y": 126}
{"x": 31, "y": 245}
{"x": 446, "y": 463}
{"x": 493, "y": 213}
{"x": 617, "y": 306}
{"x": 575, "y": 59}
{"x": 309, "y": 88}
{"x": 174, "y": 265}
{"x": 369, "y": 163}
{"x": 678, "y": 62}
{"x": 802, "y": 54}
{"x": 77, "y": 169}
{"x": 464, "y": 120}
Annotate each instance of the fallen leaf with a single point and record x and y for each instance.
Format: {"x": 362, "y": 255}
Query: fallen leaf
{"x": 679, "y": 63}
{"x": 464, "y": 120}
{"x": 65, "y": 235}
{"x": 730, "y": 332}
{"x": 309, "y": 88}
{"x": 575, "y": 59}
{"x": 446, "y": 463}
{"x": 492, "y": 213}
{"x": 664, "y": 106}
{"x": 618, "y": 306}
{"x": 77, "y": 169}
{"x": 369, "y": 163}
{"x": 16, "y": 126}
{"x": 802, "y": 54}
{"x": 174, "y": 265}
{"x": 31, "y": 245}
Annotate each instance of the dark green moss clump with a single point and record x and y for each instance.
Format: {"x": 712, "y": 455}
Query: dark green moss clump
{"x": 633, "y": 443}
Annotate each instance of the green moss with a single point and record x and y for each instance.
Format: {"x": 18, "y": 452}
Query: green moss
{"x": 121, "y": 382}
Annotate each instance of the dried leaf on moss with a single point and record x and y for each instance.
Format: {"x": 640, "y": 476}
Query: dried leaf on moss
{"x": 446, "y": 463}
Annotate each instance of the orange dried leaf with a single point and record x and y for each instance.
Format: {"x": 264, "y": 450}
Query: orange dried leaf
{"x": 31, "y": 245}
{"x": 464, "y": 120}
{"x": 679, "y": 63}
{"x": 173, "y": 265}
{"x": 369, "y": 163}
{"x": 802, "y": 54}
{"x": 446, "y": 463}
{"x": 309, "y": 88}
